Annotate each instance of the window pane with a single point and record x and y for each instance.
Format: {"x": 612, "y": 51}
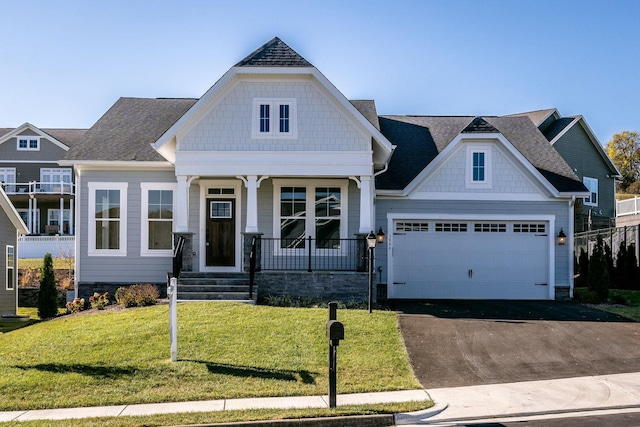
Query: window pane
{"x": 107, "y": 235}
{"x": 22, "y": 143}
{"x": 264, "y": 118}
{"x": 292, "y": 233}
{"x": 293, "y": 201}
{"x": 33, "y": 143}
{"x": 327, "y": 202}
{"x": 160, "y": 235}
{"x": 10, "y": 257}
{"x": 284, "y": 118}
{"x": 478, "y": 166}
{"x": 327, "y": 233}
{"x": 107, "y": 204}
{"x": 160, "y": 204}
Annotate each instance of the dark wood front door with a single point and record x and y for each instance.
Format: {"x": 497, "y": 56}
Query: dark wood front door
{"x": 221, "y": 233}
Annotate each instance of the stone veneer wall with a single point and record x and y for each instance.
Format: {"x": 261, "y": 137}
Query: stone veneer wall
{"x": 322, "y": 285}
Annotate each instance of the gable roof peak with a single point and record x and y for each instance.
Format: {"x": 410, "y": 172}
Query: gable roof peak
{"x": 479, "y": 125}
{"x": 274, "y": 53}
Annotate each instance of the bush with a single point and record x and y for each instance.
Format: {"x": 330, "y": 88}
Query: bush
{"x": 76, "y": 305}
{"x": 137, "y": 295}
{"x": 598, "y": 280}
{"x": 48, "y": 294}
{"x": 99, "y": 301}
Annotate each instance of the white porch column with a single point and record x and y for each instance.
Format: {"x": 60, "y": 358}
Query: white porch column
{"x": 252, "y": 203}
{"x": 30, "y": 216}
{"x": 366, "y": 205}
{"x": 182, "y": 205}
{"x": 71, "y": 201}
{"x": 61, "y": 226}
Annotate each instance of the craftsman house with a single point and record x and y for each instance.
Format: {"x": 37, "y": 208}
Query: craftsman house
{"x": 274, "y": 154}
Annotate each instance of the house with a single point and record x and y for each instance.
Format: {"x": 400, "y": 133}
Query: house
{"x": 274, "y": 155}
{"x": 11, "y": 226}
{"x": 577, "y": 144}
{"x": 42, "y": 191}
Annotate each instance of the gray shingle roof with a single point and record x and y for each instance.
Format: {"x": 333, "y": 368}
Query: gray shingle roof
{"x": 367, "y": 108}
{"x": 536, "y": 116}
{"x": 274, "y": 53}
{"x": 419, "y": 139}
{"x": 127, "y": 130}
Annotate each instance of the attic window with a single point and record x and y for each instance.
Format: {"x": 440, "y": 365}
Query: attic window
{"x": 274, "y": 118}
{"x": 29, "y": 143}
{"x": 478, "y": 170}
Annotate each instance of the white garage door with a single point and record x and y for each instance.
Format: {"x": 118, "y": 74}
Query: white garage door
{"x": 469, "y": 259}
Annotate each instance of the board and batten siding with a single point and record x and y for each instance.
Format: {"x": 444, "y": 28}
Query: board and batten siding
{"x": 445, "y": 209}
{"x": 131, "y": 268}
{"x": 578, "y": 151}
{"x": 321, "y": 124}
{"x": 8, "y": 236}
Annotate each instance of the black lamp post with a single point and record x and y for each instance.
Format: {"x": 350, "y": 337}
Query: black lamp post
{"x": 372, "y": 239}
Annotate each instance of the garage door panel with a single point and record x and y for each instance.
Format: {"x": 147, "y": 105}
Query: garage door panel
{"x": 471, "y": 264}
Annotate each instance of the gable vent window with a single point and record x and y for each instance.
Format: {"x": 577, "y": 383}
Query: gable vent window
{"x": 452, "y": 227}
{"x": 490, "y": 228}
{"x": 529, "y": 228}
{"x": 31, "y": 143}
{"x": 416, "y": 227}
{"x": 274, "y": 118}
{"x": 478, "y": 168}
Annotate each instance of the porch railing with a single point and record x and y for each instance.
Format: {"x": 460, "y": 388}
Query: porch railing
{"x": 36, "y": 188}
{"x": 628, "y": 206}
{"x": 311, "y": 254}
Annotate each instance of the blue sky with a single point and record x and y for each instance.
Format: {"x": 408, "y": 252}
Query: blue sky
{"x": 64, "y": 63}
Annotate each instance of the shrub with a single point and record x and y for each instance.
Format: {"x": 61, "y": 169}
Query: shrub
{"x": 76, "y": 305}
{"x": 99, "y": 301}
{"x": 27, "y": 276}
{"x": 598, "y": 279}
{"x": 48, "y": 294}
{"x": 137, "y": 295}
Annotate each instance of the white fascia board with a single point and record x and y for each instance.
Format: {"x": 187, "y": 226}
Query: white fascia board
{"x": 480, "y": 137}
{"x": 42, "y": 134}
{"x": 552, "y": 112}
{"x": 119, "y": 165}
{"x": 12, "y": 213}
{"x": 312, "y": 163}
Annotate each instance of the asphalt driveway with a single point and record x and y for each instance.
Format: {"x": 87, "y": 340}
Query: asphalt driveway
{"x": 460, "y": 343}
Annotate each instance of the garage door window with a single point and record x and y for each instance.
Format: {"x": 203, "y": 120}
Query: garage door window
{"x": 404, "y": 227}
{"x": 490, "y": 228}
{"x": 453, "y": 227}
{"x": 529, "y": 228}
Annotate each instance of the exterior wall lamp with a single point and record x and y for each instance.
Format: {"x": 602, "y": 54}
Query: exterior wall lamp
{"x": 562, "y": 238}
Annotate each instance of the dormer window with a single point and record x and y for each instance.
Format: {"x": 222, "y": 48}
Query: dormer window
{"x": 29, "y": 143}
{"x": 478, "y": 166}
{"x": 274, "y": 118}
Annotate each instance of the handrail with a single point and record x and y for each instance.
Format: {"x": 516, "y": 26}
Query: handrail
{"x": 628, "y": 206}
{"x": 311, "y": 254}
{"x": 252, "y": 266}
{"x": 35, "y": 188}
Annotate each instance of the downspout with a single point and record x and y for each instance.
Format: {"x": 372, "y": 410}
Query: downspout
{"x": 572, "y": 203}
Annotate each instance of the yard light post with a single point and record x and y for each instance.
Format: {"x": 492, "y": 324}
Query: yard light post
{"x": 372, "y": 239}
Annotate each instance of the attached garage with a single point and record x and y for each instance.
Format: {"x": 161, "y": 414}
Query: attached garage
{"x": 467, "y": 258}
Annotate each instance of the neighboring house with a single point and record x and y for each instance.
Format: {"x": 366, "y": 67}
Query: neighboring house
{"x": 577, "y": 144}
{"x": 11, "y": 226}
{"x": 273, "y": 152}
{"x": 42, "y": 191}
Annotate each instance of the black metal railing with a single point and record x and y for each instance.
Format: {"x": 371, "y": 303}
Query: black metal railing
{"x": 312, "y": 254}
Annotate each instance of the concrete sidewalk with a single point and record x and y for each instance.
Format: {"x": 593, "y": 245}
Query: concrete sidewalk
{"x": 452, "y": 404}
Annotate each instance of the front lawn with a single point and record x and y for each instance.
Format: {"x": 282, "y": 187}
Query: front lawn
{"x": 630, "y": 309}
{"x": 226, "y": 350}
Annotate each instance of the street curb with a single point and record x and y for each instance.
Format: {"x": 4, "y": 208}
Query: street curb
{"x": 383, "y": 420}
{"x": 417, "y": 416}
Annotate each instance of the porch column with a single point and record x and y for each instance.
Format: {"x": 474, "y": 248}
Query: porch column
{"x": 252, "y": 204}
{"x": 61, "y": 226}
{"x": 182, "y": 205}
{"x": 71, "y": 201}
{"x": 366, "y": 204}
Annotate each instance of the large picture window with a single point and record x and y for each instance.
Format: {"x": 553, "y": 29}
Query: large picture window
{"x": 157, "y": 219}
{"x": 308, "y": 210}
{"x": 107, "y": 219}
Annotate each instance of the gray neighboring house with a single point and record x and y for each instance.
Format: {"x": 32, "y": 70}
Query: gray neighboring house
{"x": 11, "y": 226}
{"x": 574, "y": 140}
{"x": 273, "y": 153}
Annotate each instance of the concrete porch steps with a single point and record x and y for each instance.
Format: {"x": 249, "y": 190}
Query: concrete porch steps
{"x": 215, "y": 287}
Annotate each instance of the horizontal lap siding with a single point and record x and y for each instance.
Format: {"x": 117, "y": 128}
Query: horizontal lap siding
{"x": 133, "y": 268}
{"x": 7, "y": 237}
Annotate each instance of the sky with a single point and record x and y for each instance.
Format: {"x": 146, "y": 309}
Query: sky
{"x": 64, "y": 63}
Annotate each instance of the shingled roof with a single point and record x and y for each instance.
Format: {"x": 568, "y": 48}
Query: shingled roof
{"x": 367, "y": 107}
{"x": 419, "y": 139}
{"x": 127, "y": 130}
{"x": 274, "y": 53}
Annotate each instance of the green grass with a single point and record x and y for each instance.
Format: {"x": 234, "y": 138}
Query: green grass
{"x": 230, "y": 416}
{"x": 630, "y": 310}
{"x": 36, "y": 263}
{"x": 226, "y": 350}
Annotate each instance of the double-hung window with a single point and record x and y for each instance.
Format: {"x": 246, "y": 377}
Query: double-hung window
{"x": 11, "y": 268}
{"x": 107, "y": 219}
{"x": 274, "y": 118}
{"x": 29, "y": 143}
{"x": 592, "y": 186}
{"x": 478, "y": 166}
{"x": 310, "y": 210}
{"x": 157, "y": 219}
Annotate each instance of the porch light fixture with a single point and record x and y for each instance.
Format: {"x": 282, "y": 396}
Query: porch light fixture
{"x": 380, "y": 236}
{"x": 371, "y": 240}
{"x": 562, "y": 238}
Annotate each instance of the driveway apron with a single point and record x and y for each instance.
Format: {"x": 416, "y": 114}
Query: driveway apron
{"x": 461, "y": 343}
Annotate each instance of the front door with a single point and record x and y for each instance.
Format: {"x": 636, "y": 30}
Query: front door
{"x": 221, "y": 233}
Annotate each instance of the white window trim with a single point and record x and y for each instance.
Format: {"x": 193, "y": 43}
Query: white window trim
{"x": 28, "y": 138}
{"x": 144, "y": 219}
{"x": 587, "y": 200}
{"x": 310, "y": 226}
{"x": 471, "y": 150}
{"x": 13, "y": 267}
{"x": 274, "y": 118}
{"x": 91, "y": 234}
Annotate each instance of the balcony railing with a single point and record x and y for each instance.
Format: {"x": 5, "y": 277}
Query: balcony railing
{"x": 628, "y": 206}
{"x": 36, "y": 188}
{"x": 309, "y": 254}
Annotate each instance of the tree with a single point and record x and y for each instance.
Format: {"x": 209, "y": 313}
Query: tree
{"x": 48, "y": 295}
{"x": 624, "y": 150}
{"x": 598, "y": 279}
